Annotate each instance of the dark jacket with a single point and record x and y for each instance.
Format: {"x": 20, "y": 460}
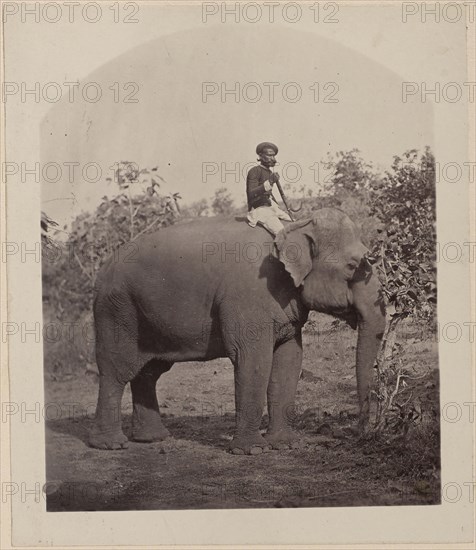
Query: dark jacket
{"x": 255, "y": 191}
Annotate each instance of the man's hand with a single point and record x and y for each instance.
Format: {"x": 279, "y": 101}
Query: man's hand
{"x": 273, "y": 178}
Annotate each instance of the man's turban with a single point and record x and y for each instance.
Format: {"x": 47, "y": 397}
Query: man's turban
{"x": 266, "y": 145}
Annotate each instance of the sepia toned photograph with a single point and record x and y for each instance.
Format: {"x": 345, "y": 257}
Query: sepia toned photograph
{"x": 250, "y": 266}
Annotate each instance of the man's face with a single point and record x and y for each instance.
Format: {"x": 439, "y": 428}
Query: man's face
{"x": 268, "y": 157}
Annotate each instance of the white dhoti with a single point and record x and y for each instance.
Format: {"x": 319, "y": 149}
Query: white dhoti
{"x": 269, "y": 217}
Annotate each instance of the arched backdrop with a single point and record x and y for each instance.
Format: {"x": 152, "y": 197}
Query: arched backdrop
{"x": 175, "y": 126}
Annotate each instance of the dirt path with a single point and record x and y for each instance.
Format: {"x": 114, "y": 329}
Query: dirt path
{"x": 193, "y": 470}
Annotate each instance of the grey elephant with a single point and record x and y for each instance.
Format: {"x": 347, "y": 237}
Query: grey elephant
{"x": 215, "y": 287}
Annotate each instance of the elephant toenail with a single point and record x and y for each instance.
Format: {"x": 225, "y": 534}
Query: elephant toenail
{"x": 237, "y": 451}
{"x": 256, "y": 450}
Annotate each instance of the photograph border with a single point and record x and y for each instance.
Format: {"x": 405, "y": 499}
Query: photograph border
{"x": 264, "y": 527}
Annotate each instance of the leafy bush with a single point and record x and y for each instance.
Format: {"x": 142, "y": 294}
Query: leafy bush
{"x": 223, "y": 204}
{"x": 69, "y": 268}
{"x": 404, "y": 251}
{"x": 396, "y": 212}
{"x": 404, "y": 255}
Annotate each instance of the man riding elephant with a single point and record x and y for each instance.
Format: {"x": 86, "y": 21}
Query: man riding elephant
{"x": 262, "y": 206}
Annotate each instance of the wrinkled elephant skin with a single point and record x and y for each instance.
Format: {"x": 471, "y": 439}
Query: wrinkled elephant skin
{"x": 214, "y": 287}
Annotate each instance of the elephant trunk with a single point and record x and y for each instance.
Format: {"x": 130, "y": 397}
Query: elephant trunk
{"x": 368, "y": 344}
{"x": 369, "y": 303}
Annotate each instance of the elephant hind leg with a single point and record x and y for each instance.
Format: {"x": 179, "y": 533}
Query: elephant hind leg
{"x": 106, "y": 432}
{"x": 119, "y": 360}
{"x": 146, "y": 421}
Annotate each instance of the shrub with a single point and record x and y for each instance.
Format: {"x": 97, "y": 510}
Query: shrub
{"x": 69, "y": 268}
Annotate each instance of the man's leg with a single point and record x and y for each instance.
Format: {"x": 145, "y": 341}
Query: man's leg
{"x": 272, "y": 224}
{"x": 281, "y": 214}
{"x": 285, "y": 216}
{"x": 251, "y": 219}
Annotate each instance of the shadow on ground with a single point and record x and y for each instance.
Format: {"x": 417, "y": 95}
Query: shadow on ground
{"x": 192, "y": 470}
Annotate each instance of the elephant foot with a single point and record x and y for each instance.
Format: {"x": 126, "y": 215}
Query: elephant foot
{"x": 248, "y": 445}
{"x": 108, "y": 439}
{"x": 147, "y": 434}
{"x": 147, "y": 425}
{"x": 283, "y": 439}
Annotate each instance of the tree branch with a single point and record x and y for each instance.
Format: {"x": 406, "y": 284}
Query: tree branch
{"x": 131, "y": 212}
{"x": 147, "y": 228}
{"x": 83, "y": 269}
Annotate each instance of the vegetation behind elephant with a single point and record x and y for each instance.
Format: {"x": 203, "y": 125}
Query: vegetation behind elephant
{"x": 215, "y": 287}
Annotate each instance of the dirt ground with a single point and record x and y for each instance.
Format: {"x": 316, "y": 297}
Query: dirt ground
{"x": 192, "y": 470}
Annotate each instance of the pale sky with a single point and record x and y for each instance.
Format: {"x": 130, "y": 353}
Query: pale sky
{"x": 169, "y": 54}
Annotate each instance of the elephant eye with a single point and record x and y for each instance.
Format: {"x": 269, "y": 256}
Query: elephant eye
{"x": 352, "y": 266}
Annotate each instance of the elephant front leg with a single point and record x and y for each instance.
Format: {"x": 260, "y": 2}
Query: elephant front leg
{"x": 287, "y": 362}
{"x": 252, "y": 373}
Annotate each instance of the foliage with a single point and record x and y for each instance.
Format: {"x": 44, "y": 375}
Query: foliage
{"x": 348, "y": 187}
{"x": 69, "y": 269}
{"x": 351, "y": 175}
{"x": 407, "y": 424}
{"x": 405, "y": 250}
{"x": 196, "y": 209}
{"x": 223, "y": 204}
{"x": 404, "y": 254}
{"x": 396, "y": 212}
{"x": 47, "y": 224}
{"x": 402, "y": 237}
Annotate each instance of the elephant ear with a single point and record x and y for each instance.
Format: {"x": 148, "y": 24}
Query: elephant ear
{"x": 294, "y": 247}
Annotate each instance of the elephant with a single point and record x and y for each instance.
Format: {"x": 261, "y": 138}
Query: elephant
{"x": 215, "y": 287}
